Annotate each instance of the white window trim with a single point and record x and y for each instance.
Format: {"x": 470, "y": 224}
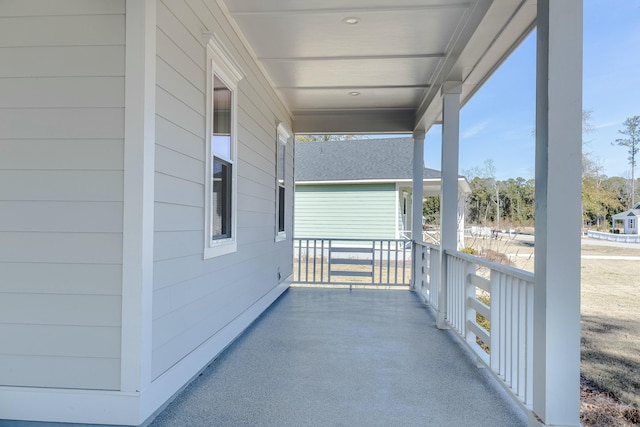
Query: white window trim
{"x": 283, "y": 136}
{"x": 220, "y": 63}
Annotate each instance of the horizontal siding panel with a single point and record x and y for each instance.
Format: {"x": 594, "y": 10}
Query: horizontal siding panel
{"x": 172, "y": 163}
{"x": 62, "y": 92}
{"x": 252, "y": 204}
{"x": 52, "y": 309}
{"x": 212, "y": 306}
{"x": 176, "y": 112}
{"x": 176, "y": 244}
{"x": 249, "y": 112}
{"x": 174, "y": 272}
{"x": 88, "y": 30}
{"x": 64, "y": 61}
{"x": 54, "y": 340}
{"x": 61, "y": 7}
{"x": 215, "y": 310}
{"x": 47, "y": 278}
{"x": 175, "y": 84}
{"x": 178, "y": 218}
{"x": 180, "y": 61}
{"x": 60, "y": 372}
{"x": 61, "y": 185}
{"x": 75, "y": 248}
{"x": 345, "y": 211}
{"x": 257, "y": 189}
{"x": 88, "y": 154}
{"x": 170, "y": 272}
{"x": 173, "y": 190}
{"x": 101, "y": 217}
{"x": 54, "y": 123}
{"x": 170, "y": 25}
{"x": 177, "y": 139}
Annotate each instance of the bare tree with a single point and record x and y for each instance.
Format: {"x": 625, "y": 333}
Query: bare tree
{"x": 632, "y": 143}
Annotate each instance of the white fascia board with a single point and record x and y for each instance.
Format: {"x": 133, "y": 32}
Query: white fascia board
{"x": 355, "y": 181}
{"x": 462, "y": 182}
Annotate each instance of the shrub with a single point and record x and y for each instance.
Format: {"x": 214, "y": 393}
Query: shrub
{"x": 469, "y": 250}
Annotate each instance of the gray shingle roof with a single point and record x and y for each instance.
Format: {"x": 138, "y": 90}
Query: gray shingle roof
{"x": 357, "y": 160}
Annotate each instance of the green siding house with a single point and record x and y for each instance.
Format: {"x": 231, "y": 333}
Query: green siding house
{"x": 358, "y": 188}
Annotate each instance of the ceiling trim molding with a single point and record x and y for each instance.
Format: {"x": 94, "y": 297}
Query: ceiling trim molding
{"x": 359, "y": 10}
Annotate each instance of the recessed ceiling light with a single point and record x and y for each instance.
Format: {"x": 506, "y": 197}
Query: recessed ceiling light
{"x": 350, "y": 20}
{"x": 354, "y": 93}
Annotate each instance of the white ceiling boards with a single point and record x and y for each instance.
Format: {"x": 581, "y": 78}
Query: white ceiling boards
{"x": 373, "y": 58}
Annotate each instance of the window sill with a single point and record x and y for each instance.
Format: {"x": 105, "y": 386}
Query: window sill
{"x": 281, "y": 237}
{"x": 220, "y": 248}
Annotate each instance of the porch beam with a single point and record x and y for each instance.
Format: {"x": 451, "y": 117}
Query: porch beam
{"x": 449, "y": 193}
{"x": 556, "y": 334}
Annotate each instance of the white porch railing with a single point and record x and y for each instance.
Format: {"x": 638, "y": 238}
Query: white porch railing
{"x": 427, "y": 271}
{"x": 490, "y": 306}
{"x": 359, "y": 262}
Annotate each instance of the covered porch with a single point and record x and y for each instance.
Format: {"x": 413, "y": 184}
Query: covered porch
{"x": 110, "y": 310}
{"x": 320, "y": 357}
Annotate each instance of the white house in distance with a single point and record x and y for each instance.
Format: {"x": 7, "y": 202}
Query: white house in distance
{"x": 146, "y": 176}
{"x": 629, "y": 220}
{"x": 360, "y": 188}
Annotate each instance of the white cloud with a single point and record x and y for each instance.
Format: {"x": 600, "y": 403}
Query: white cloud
{"x": 607, "y": 124}
{"x": 475, "y": 129}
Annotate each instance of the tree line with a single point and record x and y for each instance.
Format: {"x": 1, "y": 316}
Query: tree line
{"x": 511, "y": 203}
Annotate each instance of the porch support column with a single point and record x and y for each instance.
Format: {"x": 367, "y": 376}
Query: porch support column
{"x": 449, "y": 193}
{"x": 137, "y": 232}
{"x": 418, "y": 177}
{"x": 556, "y": 310}
{"x": 417, "y": 201}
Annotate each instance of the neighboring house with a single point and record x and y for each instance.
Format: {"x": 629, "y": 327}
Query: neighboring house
{"x": 360, "y": 188}
{"x": 146, "y": 179}
{"x": 629, "y": 220}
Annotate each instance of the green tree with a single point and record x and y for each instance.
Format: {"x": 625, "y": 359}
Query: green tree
{"x": 632, "y": 143}
{"x": 598, "y": 201}
{"x": 431, "y": 210}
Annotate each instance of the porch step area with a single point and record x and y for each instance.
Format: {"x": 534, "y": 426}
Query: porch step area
{"x": 334, "y": 357}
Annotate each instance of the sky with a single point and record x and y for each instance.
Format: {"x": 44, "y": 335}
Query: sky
{"x": 497, "y": 123}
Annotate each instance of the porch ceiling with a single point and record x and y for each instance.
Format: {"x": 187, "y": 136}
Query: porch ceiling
{"x": 395, "y": 57}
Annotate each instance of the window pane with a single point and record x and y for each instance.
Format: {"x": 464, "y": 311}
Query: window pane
{"x": 281, "y": 162}
{"x": 221, "y": 200}
{"x": 280, "y": 208}
{"x": 221, "y": 119}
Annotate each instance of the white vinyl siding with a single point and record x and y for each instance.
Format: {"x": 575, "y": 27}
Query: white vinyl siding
{"x": 61, "y": 192}
{"x": 194, "y": 299}
{"x": 363, "y": 211}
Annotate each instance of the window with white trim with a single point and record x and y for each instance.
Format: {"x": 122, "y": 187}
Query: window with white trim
{"x": 281, "y": 184}
{"x": 221, "y": 191}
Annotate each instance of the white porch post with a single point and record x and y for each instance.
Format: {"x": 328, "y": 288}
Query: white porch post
{"x": 418, "y": 177}
{"x": 556, "y": 334}
{"x": 449, "y": 193}
{"x": 137, "y": 238}
{"x": 417, "y": 200}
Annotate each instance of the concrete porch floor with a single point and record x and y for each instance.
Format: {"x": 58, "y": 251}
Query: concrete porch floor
{"x": 334, "y": 357}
